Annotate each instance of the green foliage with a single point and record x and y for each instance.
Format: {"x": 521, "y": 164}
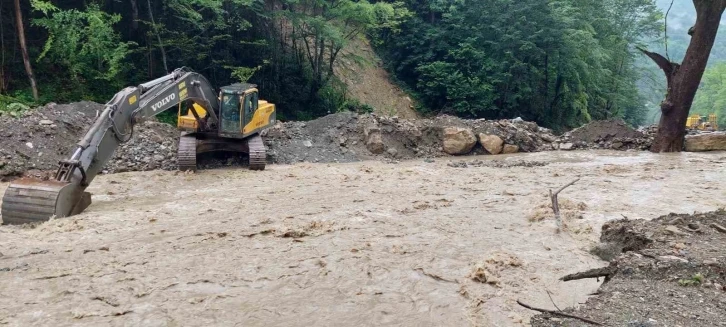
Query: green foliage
{"x": 168, "y": 117}
{"x": 695, "y": 280}
{"x": 711, "y": 97}
{"x": 559, "y": 62}
{"x": 83, "y": 42}
{"x": 12, "y": 106}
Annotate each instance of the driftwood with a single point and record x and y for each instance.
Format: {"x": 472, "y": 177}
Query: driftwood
{"x": 718, "y": 227}
{"x": 592, "y": 273}
{"x": 556, "y": 204}
{"x": 561, "y": 314}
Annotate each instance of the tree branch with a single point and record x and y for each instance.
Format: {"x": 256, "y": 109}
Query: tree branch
{"x": 592, "y": 273}
{"x": 561, "y": 314}
{"x": 665, "y": 65}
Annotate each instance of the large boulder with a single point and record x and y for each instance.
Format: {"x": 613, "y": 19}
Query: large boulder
{"x": 706, "y": 142}
{"x": 374, "y": 140}
{"x": 491, "y": 143}
{"x": 458, "y": 140}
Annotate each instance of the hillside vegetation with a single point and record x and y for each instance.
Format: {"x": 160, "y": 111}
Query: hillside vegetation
{"x": 560, "y": 63}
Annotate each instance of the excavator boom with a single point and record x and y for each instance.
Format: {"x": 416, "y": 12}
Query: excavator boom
{"x": 30, "y": 200}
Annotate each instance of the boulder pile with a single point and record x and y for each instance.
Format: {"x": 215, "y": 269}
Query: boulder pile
{"x": 346, "y": 136}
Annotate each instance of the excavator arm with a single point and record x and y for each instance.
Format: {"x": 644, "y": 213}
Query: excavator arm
{"x": 30, "y": 200}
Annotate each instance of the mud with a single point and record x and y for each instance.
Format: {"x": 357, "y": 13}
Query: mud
{"x": 416, "y": 243}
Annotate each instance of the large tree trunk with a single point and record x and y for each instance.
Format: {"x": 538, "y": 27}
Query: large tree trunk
{"x": 683, "y": 79}
{"x": 24, "y": 49}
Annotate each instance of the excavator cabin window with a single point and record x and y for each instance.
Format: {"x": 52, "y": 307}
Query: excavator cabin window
{"x": 250, "y": 103}
{"x": 231, "y": 122}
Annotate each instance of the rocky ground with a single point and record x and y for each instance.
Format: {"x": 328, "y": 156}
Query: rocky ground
{"x": 669, "y": 271}
{"x": 34, "y": 143}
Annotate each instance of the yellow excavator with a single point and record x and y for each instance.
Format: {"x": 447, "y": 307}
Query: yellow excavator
{"x": 228, "y": 120}
{"x": 698, "y": 122}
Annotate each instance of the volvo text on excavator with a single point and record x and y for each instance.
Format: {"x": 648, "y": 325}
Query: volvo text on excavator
{"x": 228, "y": 120}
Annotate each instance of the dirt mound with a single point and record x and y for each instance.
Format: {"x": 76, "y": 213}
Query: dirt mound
{"x": 604, "y": 130}
{"x": 605, "y": 134}
{"x": 672, "y": 271}
{"x": 345, "y": 137}
{"x": 332, "y": 138}
{"x": 38, "y": 139}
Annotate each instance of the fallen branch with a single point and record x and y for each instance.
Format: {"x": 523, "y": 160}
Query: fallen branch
{"x": 561, "y": 314}
{"x": 556, "y": 204}
{"x": 592, "y": 273}
{"x": 719, "y": 227}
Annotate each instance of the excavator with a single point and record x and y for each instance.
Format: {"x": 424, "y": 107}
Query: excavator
{"x": 228, "y": 120}
{"x": 698, "y": 122}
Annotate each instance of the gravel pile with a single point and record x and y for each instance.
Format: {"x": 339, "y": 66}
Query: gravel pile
{"x": 34, "y": 143}
{"x": 612, "y": 134}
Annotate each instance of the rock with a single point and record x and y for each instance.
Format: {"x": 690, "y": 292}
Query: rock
{"x": 510, "y": 148}
{"x": 672, "y": 258}
{"x": 29, "y": 144}
{"x": 46, "y": 122}
{"x": 492, "y": 143}
{"x": 566, "y": 146}
{"x": 374, "y": 143}
{"x": 458, "y": 140}
{"x": 156, "y": 138}
{"x": 158, "y": 157}
{"x": 308, "y": 143}
{"x": 548, "y": 137}
{"x": 392, "y": 152}
{"x": 617, "y": 145}
{"x": 675, "y": 230}
{"x": 706, "y": 142}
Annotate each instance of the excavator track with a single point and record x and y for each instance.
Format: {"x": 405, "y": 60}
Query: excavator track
{"x": 28, "y": 201}
{"x": 258, "y": 156}
{"x": 187, "y": 153}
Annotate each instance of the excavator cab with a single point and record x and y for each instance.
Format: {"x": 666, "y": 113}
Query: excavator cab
{"x": 242, "y": 113}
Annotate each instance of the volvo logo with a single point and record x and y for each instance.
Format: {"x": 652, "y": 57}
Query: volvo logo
{"x": 157, "y": 106}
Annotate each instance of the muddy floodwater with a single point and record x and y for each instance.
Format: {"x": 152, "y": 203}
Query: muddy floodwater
{"x": 413, "y": 243}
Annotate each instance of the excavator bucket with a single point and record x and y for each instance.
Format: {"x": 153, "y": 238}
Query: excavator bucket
{"x": 29, "y": 200}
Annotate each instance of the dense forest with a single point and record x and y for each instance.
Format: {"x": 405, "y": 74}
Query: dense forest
{"x": 558, "y": 62}
{"x": 91, "y": 49}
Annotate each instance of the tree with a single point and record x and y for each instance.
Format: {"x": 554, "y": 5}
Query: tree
{"x": 24, "y": 49}
{"x": 683, "y": 79}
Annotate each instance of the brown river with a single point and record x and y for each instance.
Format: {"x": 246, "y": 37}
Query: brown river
{"x": 360, "y": 244}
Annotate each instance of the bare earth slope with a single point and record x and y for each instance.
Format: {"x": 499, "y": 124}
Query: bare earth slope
{"x": 354, "y": 244}
{"x": 362, "y": 72}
